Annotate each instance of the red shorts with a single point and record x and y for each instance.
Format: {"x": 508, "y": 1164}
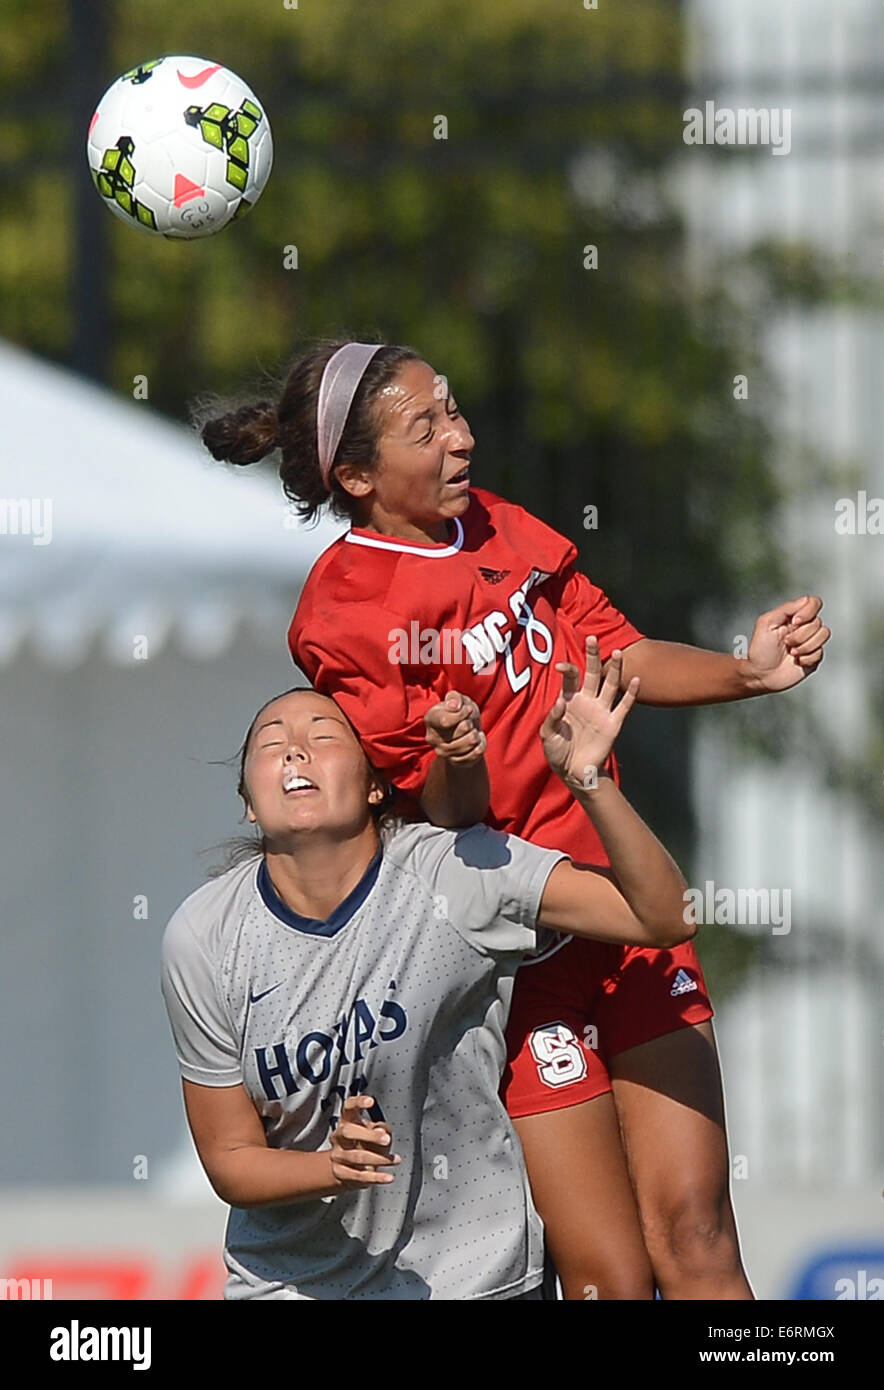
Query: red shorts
{"x": 576, "y": 1008}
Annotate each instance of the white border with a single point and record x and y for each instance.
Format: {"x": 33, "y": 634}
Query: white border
{"x": 416, "y": 549}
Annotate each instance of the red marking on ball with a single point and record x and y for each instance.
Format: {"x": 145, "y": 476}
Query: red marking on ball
{"x": 93, "y": 122}
{"x": 185, "y": 190}
{"x": 198, "y": 78}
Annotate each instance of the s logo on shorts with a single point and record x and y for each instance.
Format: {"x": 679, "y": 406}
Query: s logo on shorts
{"x": 556, "y": 1050}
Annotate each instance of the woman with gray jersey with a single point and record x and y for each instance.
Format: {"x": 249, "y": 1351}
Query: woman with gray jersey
{"x": 350, "y": 983}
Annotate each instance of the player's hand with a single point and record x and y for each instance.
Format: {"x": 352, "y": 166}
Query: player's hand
{"x": 359, "y": 1147}
{"x": 454, "y": 730}
{"x": 787, "y": 644}
{"x": 580, "y": 729}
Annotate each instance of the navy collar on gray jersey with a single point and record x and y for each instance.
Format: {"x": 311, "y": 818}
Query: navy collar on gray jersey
{"x": 313, "y": 925}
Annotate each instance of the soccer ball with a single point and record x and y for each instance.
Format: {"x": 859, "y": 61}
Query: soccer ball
{"x": 179, "y": 147}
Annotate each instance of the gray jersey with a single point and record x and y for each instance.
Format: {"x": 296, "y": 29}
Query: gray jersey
{"x": 403, "y": 993}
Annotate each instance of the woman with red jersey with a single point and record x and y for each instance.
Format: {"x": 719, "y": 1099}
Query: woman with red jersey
{"x": 442, "y": 592}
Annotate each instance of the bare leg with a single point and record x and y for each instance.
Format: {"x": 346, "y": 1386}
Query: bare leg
{"x": 671, "y": 1111}
{"x": 582, "y": 1191}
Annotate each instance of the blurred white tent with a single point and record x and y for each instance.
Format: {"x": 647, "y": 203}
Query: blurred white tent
{"x": 145, "y": 594}
{"x": 143, "y": 533}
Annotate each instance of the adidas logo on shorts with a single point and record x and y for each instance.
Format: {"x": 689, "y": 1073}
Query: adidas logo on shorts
{"x": 683, "y": 984}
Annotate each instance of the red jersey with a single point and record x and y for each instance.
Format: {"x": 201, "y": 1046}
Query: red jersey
{"x": 388, "y": 627}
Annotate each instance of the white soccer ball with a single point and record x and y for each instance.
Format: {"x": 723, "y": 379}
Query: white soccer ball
{"x": 179, "y": 146}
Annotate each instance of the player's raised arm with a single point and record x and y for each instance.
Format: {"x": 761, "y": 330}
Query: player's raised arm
{"x": 456, "y": 792}
{"x": 578, "y": 733}
{"x": 786, "y": 647}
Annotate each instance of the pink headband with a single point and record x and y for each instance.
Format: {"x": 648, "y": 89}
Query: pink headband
{"x": 343, "y": 372}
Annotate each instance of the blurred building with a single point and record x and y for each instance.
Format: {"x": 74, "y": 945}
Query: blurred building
{"x": 802, "y": 1040}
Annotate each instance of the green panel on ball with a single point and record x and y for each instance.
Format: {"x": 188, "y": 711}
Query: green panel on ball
{"x": 142, "y": 72}
{"x": 237, "y": 175}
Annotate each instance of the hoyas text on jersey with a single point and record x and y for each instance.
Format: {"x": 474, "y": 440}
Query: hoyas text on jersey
{"x": 355, "y": 1033}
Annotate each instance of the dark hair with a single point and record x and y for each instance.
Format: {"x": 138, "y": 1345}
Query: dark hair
{"x": 244, "y": 430}
{"x": 388, "y": 813}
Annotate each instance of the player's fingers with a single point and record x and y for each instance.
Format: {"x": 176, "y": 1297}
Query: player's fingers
{"x": 377, "y": 1131}
{"x": 377, "y": 1125}
{"x": 570, "y": 678}
{"x": 467, "y": 726}
{"x": 630, "y": 695}
{"x": 355, "y": 1120}
{"x": 468, "y": 743}
{"x": 357, "y": 1157}
{"x": 353, "y": 1104}
{"x": 813, "y": 644}
{"x": 783, "y": 613}
{"x": 433, "y": 717}
{"x": 552, "y": 721}
{"x": 593, "y": 666}
{"x": 467, "y": 759}
{"x": 810, "y": 663}
{"x": 800, "y": 633}
{"x": 811, "y": 605}
{"x": 472, "y": 755}
{"x": 466, "y": 712}
{"x": 459, "y": 731}
{"x": 364, "y": 1160}
{"x": 359, "y": 1177}
{"x": 613, "y": 676}
{"x": 444, "y": 719}
{"x": 356, "y": 1132}
{"x": 468, "y": 708}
